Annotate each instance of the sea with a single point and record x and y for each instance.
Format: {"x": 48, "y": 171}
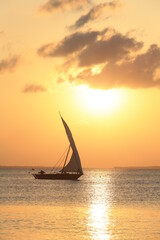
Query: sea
{"x": 119, "y": 204}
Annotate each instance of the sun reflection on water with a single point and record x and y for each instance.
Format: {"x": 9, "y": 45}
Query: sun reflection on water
{"x": 99, "y": 224}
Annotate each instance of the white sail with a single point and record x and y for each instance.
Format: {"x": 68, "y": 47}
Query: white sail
{"x": 74, "y": 164}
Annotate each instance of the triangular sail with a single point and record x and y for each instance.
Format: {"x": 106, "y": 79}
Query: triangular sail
{"x": 75, "y": 162}
{"x": 72, "y": 165}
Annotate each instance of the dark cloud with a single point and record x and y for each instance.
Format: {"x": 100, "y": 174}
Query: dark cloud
{"x": 94, "y": 13}
{"x": 121, "y": 58}
{"x": 34, "y": 88}
{"x": 138, "y": 73}
{"x": 9, "y": 64}
{"x": 56, "y": 5}
{"x": 113, "y": 49}
{"x": 69, "y": 45}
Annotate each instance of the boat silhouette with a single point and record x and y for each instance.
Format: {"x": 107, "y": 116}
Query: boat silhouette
{"x": 71, "y": 170}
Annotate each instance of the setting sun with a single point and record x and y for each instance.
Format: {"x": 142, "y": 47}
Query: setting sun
{"x": 100, "y": 101}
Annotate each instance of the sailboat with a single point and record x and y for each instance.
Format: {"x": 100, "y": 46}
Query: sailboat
{"x": 71, "y": 170}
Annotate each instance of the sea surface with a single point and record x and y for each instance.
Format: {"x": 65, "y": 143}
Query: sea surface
{"x": 116, "y": 204}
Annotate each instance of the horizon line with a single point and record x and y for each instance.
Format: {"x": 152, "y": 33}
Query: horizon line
{"x": 116, "y": 167}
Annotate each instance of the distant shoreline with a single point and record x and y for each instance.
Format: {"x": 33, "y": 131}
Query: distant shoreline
{"x": 148, "y": 167}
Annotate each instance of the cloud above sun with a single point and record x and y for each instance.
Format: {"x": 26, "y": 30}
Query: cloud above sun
{"x": 121, "y": 59}
{"x": 69, "y": 45}
{"x": 139, "y": 72}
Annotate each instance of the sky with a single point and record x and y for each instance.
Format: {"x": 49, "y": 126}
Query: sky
{"x": 95, "y": 61}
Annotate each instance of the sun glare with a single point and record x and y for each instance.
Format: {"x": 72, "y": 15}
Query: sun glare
{"x": 100, "y": 101}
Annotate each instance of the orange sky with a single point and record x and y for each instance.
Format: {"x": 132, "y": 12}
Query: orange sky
{"x": 98, "y": 62}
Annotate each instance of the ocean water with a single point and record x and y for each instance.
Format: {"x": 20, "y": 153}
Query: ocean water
{"x": 102, "y": 204}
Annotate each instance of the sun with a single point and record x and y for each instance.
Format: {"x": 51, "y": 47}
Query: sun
{"x": 100, "y": 101}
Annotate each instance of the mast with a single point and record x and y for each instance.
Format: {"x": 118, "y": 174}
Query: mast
{"x": 66, "y": 158}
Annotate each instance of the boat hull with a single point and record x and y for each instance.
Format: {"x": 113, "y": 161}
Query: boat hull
{"x": 57, "y": 176}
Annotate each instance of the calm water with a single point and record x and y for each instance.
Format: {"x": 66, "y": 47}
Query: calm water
{"x": 103, "y": 204}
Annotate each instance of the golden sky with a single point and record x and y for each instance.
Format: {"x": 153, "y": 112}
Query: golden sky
{"x": 96, "y": 61}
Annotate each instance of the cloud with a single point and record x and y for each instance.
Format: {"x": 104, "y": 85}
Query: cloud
{"x": 61, "y": 5}
{"x": 137, "y": 73}
{"x": 113, "y": 49}
{"x": 69, "y": 45}
{"x": 34, "y": 88}
{"x": 9, "y": 64}
{"x": 106, "y": 59}
{"x": 94, "y": 13}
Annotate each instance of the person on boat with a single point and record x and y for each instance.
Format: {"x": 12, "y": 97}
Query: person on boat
{"x": 41, "y": 172}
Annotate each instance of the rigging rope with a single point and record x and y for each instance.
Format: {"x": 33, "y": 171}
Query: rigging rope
{"x": 59, "y": 161}
{"x": 55, "y": 169}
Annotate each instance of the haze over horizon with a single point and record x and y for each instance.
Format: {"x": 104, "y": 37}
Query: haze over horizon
{"x": 98, "y": 62}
